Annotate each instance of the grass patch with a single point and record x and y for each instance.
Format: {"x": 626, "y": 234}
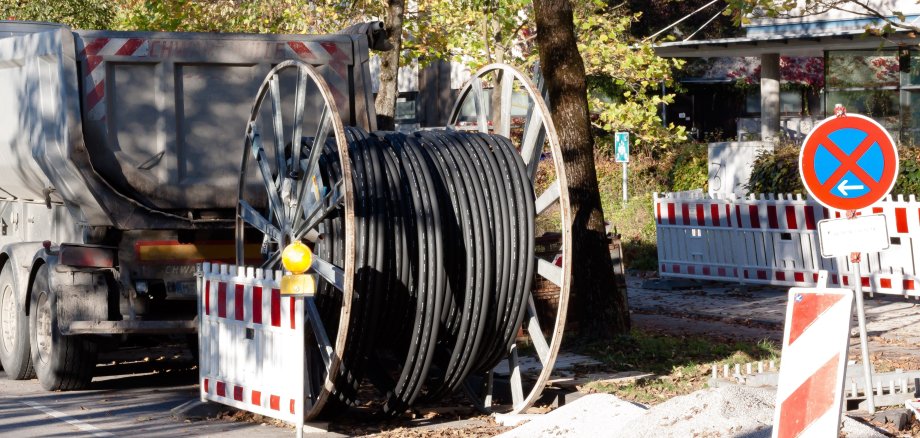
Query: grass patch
{"x": 682, "y": 364}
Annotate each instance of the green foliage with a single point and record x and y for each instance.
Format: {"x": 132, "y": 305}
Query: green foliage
{"x": 908, "y": 182}
{"x": 776, "y": 171}
{"x": 690, "y": 170}
{"x": 82, "y": 14}
{"x": 625, "y": 77}
{"x": 275, "y": 16}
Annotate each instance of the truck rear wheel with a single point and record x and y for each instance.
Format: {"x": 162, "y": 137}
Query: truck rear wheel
{"x": 14, "y": 330}
{"x": 61, "y": 362}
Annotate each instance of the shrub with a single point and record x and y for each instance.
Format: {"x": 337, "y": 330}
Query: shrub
{"x": 908, "y": 182}
{"x": 778, "y": 172}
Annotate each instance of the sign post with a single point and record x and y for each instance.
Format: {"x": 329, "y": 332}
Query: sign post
{"x": 849, "y": 162}
{"x": 621, "y": 147}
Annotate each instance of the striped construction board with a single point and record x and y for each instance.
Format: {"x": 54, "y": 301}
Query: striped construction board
{"x": 810, "y": 389}
{"x": 248, "y": 338}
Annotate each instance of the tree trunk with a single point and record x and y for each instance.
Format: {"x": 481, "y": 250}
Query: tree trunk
{"x": 385, "y": 104}
{"x": 599, "y": 306}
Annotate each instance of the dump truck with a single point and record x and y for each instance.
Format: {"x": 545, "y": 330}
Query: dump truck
{"x": 119, "y": 167}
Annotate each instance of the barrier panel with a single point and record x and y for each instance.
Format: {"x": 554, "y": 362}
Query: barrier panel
{"x": 248, "y": 338}
{"x": 773, "y": 239}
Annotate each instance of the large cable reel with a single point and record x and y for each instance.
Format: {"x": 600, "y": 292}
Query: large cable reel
{"x": 423, "y": 242}
{"x": 538, "y": 145}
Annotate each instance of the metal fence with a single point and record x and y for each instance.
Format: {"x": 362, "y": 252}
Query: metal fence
{"x": 773, "y": 239}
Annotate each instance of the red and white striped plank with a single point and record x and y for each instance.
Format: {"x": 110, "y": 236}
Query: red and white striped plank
{"x": 697, "y": 213}
{"x": 810, "y": 387}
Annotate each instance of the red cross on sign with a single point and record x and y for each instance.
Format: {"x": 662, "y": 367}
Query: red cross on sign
{"x": 848, "y": 163}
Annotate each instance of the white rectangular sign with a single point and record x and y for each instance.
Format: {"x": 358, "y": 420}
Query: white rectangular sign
{"x": 840, "y": 237}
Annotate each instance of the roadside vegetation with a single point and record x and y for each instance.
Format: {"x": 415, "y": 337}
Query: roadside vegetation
{"x": 777, "y": 171}
{"x": 679, "y": 364}
{"x": 675, "y": 168}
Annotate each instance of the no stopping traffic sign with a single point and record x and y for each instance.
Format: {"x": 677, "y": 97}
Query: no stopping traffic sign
{"x": 848, "y": 163}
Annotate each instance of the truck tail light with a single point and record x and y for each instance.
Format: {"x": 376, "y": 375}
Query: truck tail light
{"x": 87, "y": 256}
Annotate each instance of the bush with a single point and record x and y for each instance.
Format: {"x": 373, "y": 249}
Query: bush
{"x": 778, "y": 172}
{"x": 689, "y": 169}
{"x": 908, "y": 182}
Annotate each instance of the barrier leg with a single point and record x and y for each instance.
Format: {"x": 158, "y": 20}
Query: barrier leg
{"x": 863, "y": 342}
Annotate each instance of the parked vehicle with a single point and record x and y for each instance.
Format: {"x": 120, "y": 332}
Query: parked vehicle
{"x": 119, "y": 165}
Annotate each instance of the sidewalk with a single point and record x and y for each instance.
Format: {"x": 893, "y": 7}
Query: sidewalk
{"x": 758, "y": 312}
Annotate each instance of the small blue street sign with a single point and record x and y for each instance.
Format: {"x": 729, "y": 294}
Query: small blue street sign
{"x": 621, "y": 147}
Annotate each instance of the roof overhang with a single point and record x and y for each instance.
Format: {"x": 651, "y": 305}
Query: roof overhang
{"x": 787, "y": 45}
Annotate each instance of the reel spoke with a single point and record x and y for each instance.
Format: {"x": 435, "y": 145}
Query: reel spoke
{"x": 254, "y": 218}
{"x": 319, "y": 332}
{"x": 535, "y": 332}
{"x": 504, "y": 114}
{"x": 330, "y": 272}
{"x": 548, "y": 198}
{"x": 299, "y": 103}
{"x": 278, "y": 124}
{"x": 549, "y": 271}
{"x": 482, "y": 123}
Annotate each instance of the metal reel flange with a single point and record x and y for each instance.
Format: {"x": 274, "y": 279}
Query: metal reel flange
{"x": 284, "y": 197}
{"x": 516, "y": 110}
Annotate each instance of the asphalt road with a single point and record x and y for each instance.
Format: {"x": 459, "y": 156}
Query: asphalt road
{"x": 129, "y": 398}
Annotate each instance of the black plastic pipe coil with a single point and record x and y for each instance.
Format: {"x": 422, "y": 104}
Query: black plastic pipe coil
{"x": 444, "y": 263}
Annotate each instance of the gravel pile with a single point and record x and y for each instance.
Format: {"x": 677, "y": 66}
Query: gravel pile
{"x": 726, "y": 411}
{"x": 594, "y": 415}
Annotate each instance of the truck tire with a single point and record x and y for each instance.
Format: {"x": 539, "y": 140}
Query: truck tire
{"x": 14, "y": 330}
{"x": 60, "y": 362}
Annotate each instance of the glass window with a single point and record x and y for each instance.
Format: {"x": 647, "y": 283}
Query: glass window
{"x": 405, "y": 109}
{"x": 912, "y": 132}
{"x": 790, "y": 102}
{"x": 881, "y": 105}
{"x": 862, "y": 69}
{"x": 752, "y": 103}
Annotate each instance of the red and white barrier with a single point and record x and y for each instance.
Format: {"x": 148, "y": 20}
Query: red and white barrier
{"x": 247, "y": 334}
{"x": 773, "y": 239}
{"x": 810, "y": 388}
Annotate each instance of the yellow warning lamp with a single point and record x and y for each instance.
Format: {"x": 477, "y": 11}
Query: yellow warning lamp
{"x": 297, "y": 258}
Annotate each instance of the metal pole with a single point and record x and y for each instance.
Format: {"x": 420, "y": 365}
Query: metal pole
{"x": 624, "y": 185}
{"x": 301, "y": 368}
{"x": 863, "y": 342}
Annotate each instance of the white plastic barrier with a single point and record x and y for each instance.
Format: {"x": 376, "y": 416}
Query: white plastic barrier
{"x": 773, "y": 239}
{"x": 249, "y": 338}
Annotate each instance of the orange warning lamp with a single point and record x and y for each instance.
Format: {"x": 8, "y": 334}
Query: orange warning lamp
{"x": 297, "y": 258}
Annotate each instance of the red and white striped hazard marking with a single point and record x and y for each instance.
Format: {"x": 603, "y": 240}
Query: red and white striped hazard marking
{"x": 810, "y": 390}
{"x": 94, "y": 52}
